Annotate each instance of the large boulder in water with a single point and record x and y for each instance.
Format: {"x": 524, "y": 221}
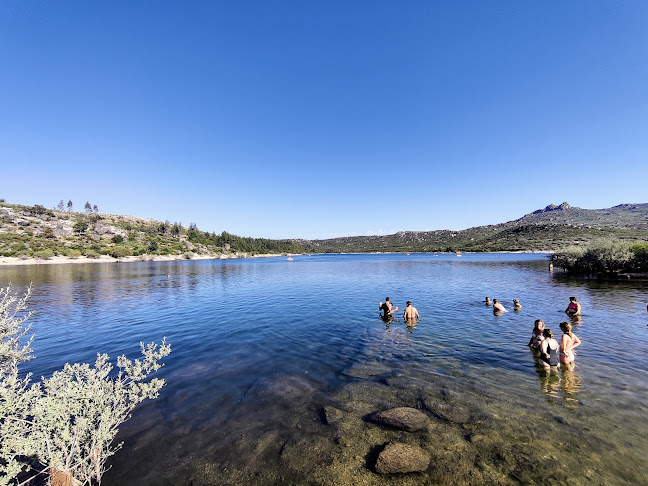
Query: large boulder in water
{"x": 402, "y": 418}
{"x": 402, "y": 458}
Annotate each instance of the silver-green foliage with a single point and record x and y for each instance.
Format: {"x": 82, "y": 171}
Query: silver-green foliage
{"x": 67, "y": 423}
{"x": 13, "y": 329}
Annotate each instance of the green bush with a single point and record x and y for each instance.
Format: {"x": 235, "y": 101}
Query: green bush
{"x": 603, "y": 256}
{"x": 74, "y": 253}
{"x": 640, "y": 256}
{"x": 44, "y": 254}
{"x": 90, "y": 253}
{"x": 117, "y": 239}
{"x": 120, "y": 251}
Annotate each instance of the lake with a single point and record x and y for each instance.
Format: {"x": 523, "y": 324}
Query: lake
{"x": 262, "y": 347}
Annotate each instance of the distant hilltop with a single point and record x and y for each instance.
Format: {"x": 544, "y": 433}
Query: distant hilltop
{"x": 548, "y": 229}
{"x": 34, "y": 232}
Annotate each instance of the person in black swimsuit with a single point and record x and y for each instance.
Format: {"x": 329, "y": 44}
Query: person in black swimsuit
{"x": 549, "y": 350}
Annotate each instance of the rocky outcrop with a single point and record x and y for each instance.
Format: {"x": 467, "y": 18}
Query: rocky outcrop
{"x": 402, "y": 458}
{"x": 402, "y": 418}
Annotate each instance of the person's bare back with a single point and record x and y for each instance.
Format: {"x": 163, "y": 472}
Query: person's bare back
{"x": 411, "y": 312}
{"x": 387, "y": 307}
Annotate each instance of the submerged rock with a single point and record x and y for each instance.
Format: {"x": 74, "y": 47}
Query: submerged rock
{"x": 332, "y": 415}
{"x": 402, "y": 458}
{"x": 402, "y": 418}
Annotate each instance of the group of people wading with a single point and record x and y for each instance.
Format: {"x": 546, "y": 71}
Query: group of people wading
{"x": 409, "y": 314}
{"x": 542, "y": 340}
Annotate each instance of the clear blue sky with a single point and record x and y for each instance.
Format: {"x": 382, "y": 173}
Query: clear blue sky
{"x": 324, "y": 118}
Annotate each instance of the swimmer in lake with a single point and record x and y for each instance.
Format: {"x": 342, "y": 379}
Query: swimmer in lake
{"x": 567, "y": 344}
{"x": 410, "y": 314}
{"x": 487, "y": 301}
{"x": 516, "y": 305}
{"x": 498, "y": 308}
{"x": 574, "y": 308}
{"x": 549, "y": 350}
{"x": 387, "y": 307}
{"x": 537, "y": 336}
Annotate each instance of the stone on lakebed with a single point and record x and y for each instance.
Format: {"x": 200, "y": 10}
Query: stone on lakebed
{"x": 402, "y": 458}
{"x": 402, "y": 418}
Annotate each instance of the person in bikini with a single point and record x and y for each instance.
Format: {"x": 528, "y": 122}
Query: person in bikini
{"x": 567, "y": 344}
{"x": 410, "y": 314}
{"x": 574, "y": 308}
{"x": 387, "y": 308}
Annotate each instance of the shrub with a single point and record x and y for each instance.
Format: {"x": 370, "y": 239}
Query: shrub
{"x": 74, "y": 253}
{"x": 90, "y": 253}
{"x": 67, "y": 422}
{"x": 640, "y": 256}
{"x": 80, "y": 227}
{"x": 44, "y": 254}
{"x": 120, "y": 251}
{"x": 117, "y": 239}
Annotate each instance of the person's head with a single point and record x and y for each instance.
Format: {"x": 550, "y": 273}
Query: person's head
{"x": 487, "y": 299}
{"x": 516, "y": 301}
{"x": 386, "y": 299}
{"x": 572, "y": 299}
{"x": 408, "y": 303}
{"x": 494, "y": 301}
{"x": 548, "y": 333}
{"x": 566, "y": 327}
{"x": 539, "y": 324}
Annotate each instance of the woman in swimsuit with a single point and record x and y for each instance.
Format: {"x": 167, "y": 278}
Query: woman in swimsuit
{"x": 536, "y": 336}
{"x": 574, "y": 307}
{"x": 567, "y": 344}
{"x": 516, "y": 305}
{"x": 549, "y": 350}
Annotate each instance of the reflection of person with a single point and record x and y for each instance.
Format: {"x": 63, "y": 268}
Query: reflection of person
{"x": 549, "y": 350}
{"x": 487, "y": 301}
{"x": 387, "y": 307}
{"x": 574, "y": 308}
{"x": 536, "y": 336}
{"x": 567, "y": 344}
{"x": 410, "y": 313}
{"x": 516, "y": 304}
{"x": 497, "y": 307}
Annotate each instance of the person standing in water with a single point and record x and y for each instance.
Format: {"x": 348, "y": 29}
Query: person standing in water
{"x": 411, "y": 313}
{"x": 549, "y": 350}
{"x": 574, "y": 308}
{"x": 516, "y": 305}
{"x": 567, "y": 344}
{"x": 497, "y": 307}
{"x": 387, "y": 307}
{"x": 537, "y": 336}
{"x": 487, "y": 301}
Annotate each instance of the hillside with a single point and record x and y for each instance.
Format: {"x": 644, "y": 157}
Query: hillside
{"x": 548, "y": 229}
{"x": 36, "y": 232}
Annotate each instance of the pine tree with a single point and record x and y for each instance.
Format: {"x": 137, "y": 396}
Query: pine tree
{"x": 87, "y": 207}
{"x": 69, "y": 205}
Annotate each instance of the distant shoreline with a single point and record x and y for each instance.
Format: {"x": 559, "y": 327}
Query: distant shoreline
{"x": 63, "y": 260}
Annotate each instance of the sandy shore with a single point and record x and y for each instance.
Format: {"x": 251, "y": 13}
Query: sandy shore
{"x": 57, "y": 260}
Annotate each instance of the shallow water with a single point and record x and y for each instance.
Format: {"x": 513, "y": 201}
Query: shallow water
{"x": 260, "y": 346}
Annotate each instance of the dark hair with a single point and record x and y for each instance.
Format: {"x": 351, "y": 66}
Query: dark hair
{"x": 537, "y": 323}
{"x": 409, "y": 302}
{"x": 387, "y": 299}
{"x": 572, "y": 298}
{"x": 548, "y": 333}
{"x": 494, "y": 300}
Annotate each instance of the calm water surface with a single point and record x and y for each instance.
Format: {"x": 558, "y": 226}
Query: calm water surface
{"x": 261, "y": 346}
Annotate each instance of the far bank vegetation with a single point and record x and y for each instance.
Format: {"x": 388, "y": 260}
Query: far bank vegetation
{"x": 607, "y": 257}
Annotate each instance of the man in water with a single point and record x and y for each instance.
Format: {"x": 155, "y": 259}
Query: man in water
{"x": 497, "y": 307}
{"x": 387, "y": 308}
{"x": 410, "y": 313}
